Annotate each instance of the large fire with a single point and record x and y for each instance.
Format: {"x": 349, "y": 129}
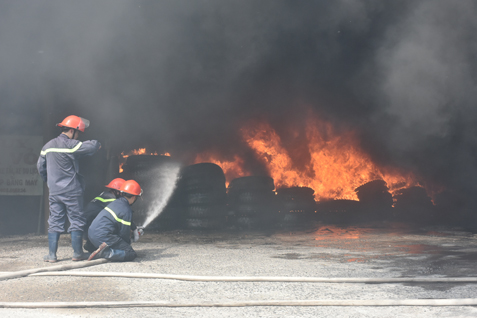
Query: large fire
{"x": 335, "y": 167}
{"x": 135, "y": 152}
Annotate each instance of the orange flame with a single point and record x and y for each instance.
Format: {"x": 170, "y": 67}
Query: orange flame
{"x": 337, "y": 166}
{"x": 232, "y": 169}
{"x": 135, "y": 152}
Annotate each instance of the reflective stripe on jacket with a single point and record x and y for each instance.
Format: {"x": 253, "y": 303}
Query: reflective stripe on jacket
{"x": 104, "y": 200}
{"x": 116, "y": 217}
{"x": 112, "y": 223}
{"x": 58, "y": 164}
{"x": 97, "y": 205}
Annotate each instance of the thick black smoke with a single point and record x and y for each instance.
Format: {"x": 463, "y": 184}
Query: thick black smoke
{"x": 183, "y": 76}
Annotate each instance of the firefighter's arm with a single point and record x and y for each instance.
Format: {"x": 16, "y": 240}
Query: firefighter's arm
{"x": 88, "y": 148}
{"x": 41, "y": 166}
{"x": 125, "y": 233}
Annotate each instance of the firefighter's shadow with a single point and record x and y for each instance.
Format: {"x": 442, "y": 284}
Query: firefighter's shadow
{"x": 154, "y": 254}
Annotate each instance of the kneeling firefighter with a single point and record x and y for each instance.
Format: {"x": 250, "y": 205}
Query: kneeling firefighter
{"x": 98, "y": 204}
{"x": 110, "y": 231}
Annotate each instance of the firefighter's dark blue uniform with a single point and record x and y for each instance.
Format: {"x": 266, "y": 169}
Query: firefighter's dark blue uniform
{"x": 92, "y": 210}
{"x": 113, "y": 227}
{"x": 97, "y": 205}
{"x": 58, "y": 165}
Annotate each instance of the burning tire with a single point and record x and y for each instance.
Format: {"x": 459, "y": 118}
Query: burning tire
{"x": 296, "y": 205}
{"x": 413, "y": 205}
{"x": 202, "y": 188}
{"x": 376, "y": 201}
{"x": 252, "y": 183}
{"x": 251, "y": 202}
{"x": 202, "y": 176}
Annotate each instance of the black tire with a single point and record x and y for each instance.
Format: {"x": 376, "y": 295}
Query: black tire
{"x": 300, "y": 196}
{"x": 200, "y": 185}
{"x": 248, "y": 209}
{"x": 252, "y": 183}
{"x": 203, "y": 171}
{"x": 253, "y": 197}
{"x": 290, "y": 218}
{"x": 297, "y": 207}
{"x": 303, "y": 192}
{"x": 296, "y": 200}
{"x": 202, "y": 212}
{"x": 215, "y": 197}
{"x": 247, "y": 222}
{"x": 202, "y": 177}
{"x": 203, "y": 224}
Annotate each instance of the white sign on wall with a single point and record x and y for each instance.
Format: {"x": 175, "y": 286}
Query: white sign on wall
{"x": 18, "y": 172}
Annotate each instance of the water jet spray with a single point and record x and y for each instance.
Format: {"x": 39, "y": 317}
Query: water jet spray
{"x": 164, "y": 184}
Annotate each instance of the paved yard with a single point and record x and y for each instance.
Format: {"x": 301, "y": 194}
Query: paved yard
{"x": 388, "y": 250}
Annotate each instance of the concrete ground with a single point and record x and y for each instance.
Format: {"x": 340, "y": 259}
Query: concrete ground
{"x": 387, "y": 250}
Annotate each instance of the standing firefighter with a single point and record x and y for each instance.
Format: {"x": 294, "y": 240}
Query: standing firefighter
{"x": 58, "y": 165}
{"x": 98, "y": 204}
{"x": 111, "y": 229}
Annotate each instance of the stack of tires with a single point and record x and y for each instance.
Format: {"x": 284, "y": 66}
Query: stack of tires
{"x": 202, "y": 189}
{"x": 251, "y": 203}
{"x": 296, "y": 206}
{"x": 152, "y": 173}
{"x": 337, "y": 211}
{"x": 376, "y": 202}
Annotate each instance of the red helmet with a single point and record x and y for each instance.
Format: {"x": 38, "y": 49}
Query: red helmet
{"x": 131, "y": 187}
{"x": 116, "y": 184}
{"x": 74, "y": 122}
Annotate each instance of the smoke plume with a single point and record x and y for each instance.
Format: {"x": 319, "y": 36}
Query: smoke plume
{"x": 183, "y": 76}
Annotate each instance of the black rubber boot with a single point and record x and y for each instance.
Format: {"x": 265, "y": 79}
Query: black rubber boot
{"x": 89, "y": 246}
{"x": 53, "y": 239}
{"x": 77, "y": 243}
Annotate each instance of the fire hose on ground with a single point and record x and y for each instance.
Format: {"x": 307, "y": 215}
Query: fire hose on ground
{"x": 269, "y": 279}
{"x": 53, "y": 271}
{"x": 27, "y": 272}
{"x": 246, "y": 303}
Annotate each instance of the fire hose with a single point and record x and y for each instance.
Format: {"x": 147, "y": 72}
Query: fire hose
{"x": 349, "y": 280}
{"x": 49, "y": 271}
{"x": 246, "y": 303}
{"x": 27, "y": 272}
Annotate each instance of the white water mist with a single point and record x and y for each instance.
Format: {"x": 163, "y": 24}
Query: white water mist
{"x": 162, "y": 188}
